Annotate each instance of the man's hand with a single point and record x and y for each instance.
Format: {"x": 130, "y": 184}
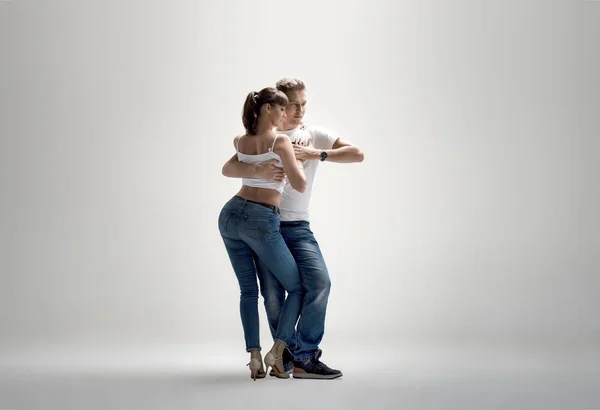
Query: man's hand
{"x": 306, "y": 152}
{"x": 270, "y": 172}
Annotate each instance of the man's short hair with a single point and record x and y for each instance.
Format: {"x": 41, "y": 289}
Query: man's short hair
{"x": 290, "y": 84}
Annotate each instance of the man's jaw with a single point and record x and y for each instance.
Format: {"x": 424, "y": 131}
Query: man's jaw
{"x": 290, "y": 125}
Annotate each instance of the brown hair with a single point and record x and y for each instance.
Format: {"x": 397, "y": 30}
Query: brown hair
{"x": 254, "y": 102}
{"x": 290, "y": 84}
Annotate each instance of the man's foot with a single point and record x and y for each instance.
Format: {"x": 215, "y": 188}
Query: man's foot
{"x": 313, "y": 368}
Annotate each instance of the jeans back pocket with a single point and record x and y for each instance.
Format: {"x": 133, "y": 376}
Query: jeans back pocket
{"x": 262, "y": 226}
{"x": 224, "y": 218}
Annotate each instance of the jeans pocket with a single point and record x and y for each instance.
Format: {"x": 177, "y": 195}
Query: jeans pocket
{"x": 262, "y": 226}
{"x": 224, "y": 218}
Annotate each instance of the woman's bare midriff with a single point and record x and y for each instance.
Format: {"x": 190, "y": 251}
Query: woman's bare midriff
{"x": 262, "y": 195}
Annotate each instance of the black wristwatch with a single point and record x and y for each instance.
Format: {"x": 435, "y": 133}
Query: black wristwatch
{"x": 323, "y": 155}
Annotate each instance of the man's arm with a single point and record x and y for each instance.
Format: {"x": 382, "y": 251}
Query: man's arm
{"x": 342, "y": 151}
{"x": 236, "y": 169}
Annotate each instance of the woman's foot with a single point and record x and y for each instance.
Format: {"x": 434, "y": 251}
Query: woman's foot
{"x": 275, "y": 359}
{"x": 256, "y": 366}
{"x": 288, "y": 363}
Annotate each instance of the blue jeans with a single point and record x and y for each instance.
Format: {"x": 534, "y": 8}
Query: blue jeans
{"x": 249, "y": 229}
{"x": 315, "y": 278}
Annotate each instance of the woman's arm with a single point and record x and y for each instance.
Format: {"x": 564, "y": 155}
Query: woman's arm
{"x": 293, "y": 168}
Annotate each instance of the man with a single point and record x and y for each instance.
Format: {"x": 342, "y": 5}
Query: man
{"x": 313, "y": 145}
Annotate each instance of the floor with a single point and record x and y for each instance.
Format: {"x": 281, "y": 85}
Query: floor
{"x": 394, "y": 379}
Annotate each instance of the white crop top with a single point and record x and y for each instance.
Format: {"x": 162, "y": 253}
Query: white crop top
{"x": 259, "y": 159}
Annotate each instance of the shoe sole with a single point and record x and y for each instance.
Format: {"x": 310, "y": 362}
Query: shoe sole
{"x": 313, "y": 376}
{"x": 272, "y": 373}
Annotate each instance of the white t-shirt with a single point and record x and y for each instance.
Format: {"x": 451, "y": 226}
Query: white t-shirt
{"x": 294, "y": 205}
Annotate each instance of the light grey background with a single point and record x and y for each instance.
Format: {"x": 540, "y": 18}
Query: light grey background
{"x": 472, "y": 223}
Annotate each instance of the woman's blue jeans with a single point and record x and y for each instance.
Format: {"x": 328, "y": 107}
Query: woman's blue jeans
{"x": 249, "y": 228}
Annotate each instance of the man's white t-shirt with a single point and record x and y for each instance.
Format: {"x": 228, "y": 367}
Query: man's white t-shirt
{"x": 294, "y": 204}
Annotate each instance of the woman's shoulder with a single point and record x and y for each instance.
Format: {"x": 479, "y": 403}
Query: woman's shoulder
{"x": 237, "y": 138}
{"x": 281, "y": 137}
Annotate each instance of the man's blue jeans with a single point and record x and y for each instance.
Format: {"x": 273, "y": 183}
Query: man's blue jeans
{"x": 315, "y": 278}
{"x": 250, "y": 229}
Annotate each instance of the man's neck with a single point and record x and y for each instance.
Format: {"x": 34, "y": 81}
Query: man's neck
{"x": 288, "y": 127}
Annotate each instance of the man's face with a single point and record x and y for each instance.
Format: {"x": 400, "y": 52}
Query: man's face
{"x": 295, "y": 109}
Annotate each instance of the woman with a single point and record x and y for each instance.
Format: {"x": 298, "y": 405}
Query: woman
{"x": 249, "y": 223}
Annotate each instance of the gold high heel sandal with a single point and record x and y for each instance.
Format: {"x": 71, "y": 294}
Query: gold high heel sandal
{"x": 276, "y": 364}
{"x": 256, "y": 371}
